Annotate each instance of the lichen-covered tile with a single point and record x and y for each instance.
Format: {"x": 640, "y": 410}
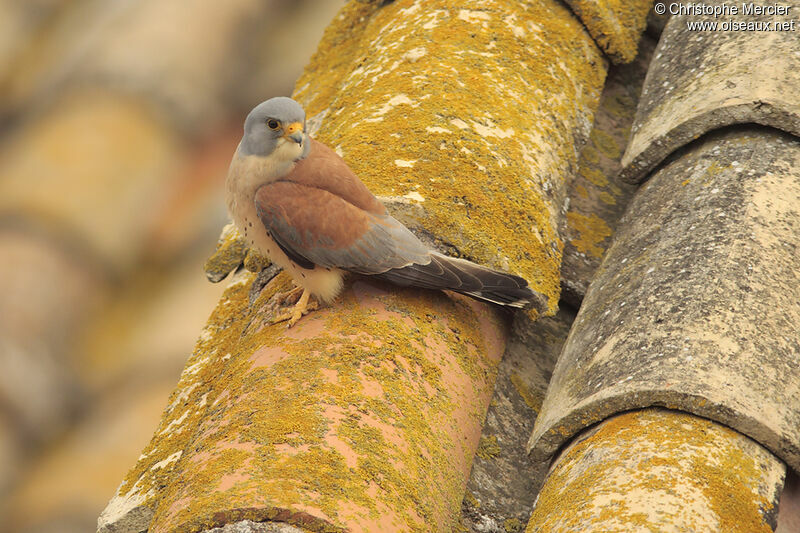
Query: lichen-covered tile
{"x": 366, "y": 415}
{"x": 660, "y": 470}
{"x": 503, "y": 481}
{"x": 697, "y": 301}
{"x": 702, "y": 80}
{"x": 363, "y": 415}
{"x": 440, "y": 85}
{"x": 597, "y": 197}
{"x": 615, "y": 26}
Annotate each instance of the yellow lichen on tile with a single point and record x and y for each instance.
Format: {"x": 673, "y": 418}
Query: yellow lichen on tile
{"x": 512, "y": 525}
{"x": 592, "y": 229}
{"x": 594, "y": 175}
{"x": 653, "y": 469}
{"x": 606, "y": 144}
{"x": 487, "y": 98}
{"x": 615, "y": 25}
{"x": 488, "y": 448}
{"x": 355, "y": 418}
{"x": 607, "y": 198}
{"x": 231, "y": 251}
{"x": 528, "y": 396}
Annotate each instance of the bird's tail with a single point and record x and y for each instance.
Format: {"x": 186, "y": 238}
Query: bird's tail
{"x": 468, "y": 278}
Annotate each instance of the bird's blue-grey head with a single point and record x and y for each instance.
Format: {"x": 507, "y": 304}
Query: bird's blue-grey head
{"x": 277, "y": 123}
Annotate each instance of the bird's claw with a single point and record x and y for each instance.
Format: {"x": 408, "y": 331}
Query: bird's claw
{"x": 301, "y": 308}
{"x": 292, "y": 296}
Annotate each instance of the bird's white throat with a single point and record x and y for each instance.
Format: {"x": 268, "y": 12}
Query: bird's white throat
{"x": 287, "y": 151}
{"x": 249, "y": 172}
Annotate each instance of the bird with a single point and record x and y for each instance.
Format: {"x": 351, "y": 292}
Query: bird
{"x": 297, "y": 201}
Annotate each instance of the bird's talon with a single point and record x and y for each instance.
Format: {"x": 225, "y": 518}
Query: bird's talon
{"x": 292, "y": 296}
{"x": 297, "y": 314}
{"x": 301, "y": 308}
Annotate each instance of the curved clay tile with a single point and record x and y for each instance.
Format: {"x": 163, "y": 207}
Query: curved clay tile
{"x": 703, "y": 80}
{"x": 660, "y": 470}
{"x": 506, "y": 111}
{"x": 697, "y": 302}
{"x": 597, "y": 197}
{"x": 503, "y": 481}
{"x": 615, "y": 26}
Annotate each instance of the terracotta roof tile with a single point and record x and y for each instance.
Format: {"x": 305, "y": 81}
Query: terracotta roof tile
{"x": 695, "y": 305}
{"x": 503, "y": 480}
{"x": 230, "y": 447}
{"x": 659, "y": 470}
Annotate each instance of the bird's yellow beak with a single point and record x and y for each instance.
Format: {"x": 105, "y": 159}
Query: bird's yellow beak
{"x": 294, "y": 132}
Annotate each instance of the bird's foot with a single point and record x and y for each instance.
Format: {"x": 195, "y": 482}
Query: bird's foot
{"x": 301, "y": 308}
{"x": 292, "y": 296}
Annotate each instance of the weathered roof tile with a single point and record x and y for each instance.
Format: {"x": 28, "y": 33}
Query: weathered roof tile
{"x": 503, "y": 479}
{"x": 597, "y": 197}
{"x": 330, "y": 450}
{"x": 703, "y": 80}
{"x": 362, "y": 414}
{"x": 615, "y": 26}
{"x": 660, "y": 470}
{"x": 491, "y": 151}
{"x": 697, "y": 302}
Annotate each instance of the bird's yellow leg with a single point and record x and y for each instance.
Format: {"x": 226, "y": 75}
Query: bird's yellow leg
{"x": 292, "y": 295}
{"x": 302, "y": 307}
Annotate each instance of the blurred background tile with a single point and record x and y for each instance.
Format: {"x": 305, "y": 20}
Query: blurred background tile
{"x": 117, "y": 123}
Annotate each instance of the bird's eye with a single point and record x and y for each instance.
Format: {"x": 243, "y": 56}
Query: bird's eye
{"x": 273, "y": 124}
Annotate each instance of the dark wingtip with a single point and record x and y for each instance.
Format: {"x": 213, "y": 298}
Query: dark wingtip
{"x": 494, "y": 286}
{"x": 521, "y": 298}
{"x": 471, "y": 279}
